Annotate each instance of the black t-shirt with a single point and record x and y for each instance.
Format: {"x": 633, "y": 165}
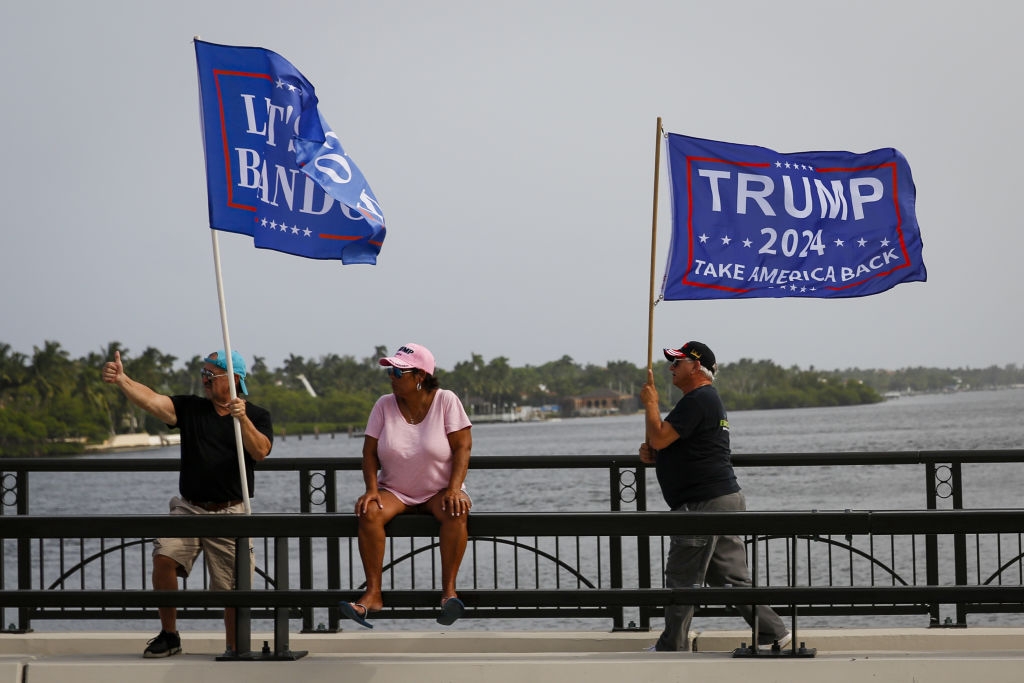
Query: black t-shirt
{"x": 209, "y": 457}
{"x": 697, "y": 466}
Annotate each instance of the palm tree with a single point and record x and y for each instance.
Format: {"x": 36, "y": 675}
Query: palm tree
{"x": 51, "y": 370}
{"x": 13, "y": 372}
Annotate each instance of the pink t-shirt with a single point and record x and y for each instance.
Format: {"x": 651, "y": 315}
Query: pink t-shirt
{"x": 416, "y": 460}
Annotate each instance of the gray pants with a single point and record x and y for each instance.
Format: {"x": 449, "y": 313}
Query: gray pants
{"x": 716, "y": 561}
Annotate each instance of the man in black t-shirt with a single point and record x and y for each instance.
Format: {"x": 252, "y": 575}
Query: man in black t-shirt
{"x": 690, "y": 451}
{"x": 209, "y": 481}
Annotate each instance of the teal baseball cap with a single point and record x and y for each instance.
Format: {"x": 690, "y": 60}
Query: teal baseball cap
{"x": 219, "y": 358}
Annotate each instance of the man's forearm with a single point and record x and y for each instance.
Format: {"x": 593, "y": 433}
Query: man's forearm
{"x": 253, "y": 440}
{"x": 157, "y": 405}
{"x": 652, "y": 422}
{"x": 660, "y": 434}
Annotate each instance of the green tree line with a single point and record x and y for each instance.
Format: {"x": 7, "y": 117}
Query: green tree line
{"x": 51, "y": 403}
{"x": 922, "y": 379}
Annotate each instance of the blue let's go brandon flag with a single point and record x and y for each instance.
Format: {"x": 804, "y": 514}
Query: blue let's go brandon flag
{"x": 274, "y": 168}
{"x": 750, "y": 222}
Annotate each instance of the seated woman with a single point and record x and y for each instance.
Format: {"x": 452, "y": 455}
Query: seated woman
{"x": 418, "y": 437}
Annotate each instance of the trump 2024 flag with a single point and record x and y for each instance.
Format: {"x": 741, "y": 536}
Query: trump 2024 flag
{"x": 274, "y": 168}
{"x": 750, "y": 222}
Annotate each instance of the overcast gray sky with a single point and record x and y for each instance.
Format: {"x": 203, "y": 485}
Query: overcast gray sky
{"x": 511, "y": 146}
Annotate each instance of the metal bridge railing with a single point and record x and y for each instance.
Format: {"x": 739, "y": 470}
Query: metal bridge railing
{"x": 525, "y": 554}
{"x": 580, "y": 595}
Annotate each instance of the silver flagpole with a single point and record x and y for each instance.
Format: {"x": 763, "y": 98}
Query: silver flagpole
{"x": 231, "y": 372}
{"x": 654, "y": 244}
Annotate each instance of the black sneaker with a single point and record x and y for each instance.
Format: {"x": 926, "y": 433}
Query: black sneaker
{"x": 164, "y": 645}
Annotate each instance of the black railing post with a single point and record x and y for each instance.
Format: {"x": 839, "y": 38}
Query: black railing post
{"x": 615, "y": 547}
{"x": 643, "y": 543}
{"x": 641, "y": 488}
{"x": 282, "y": 648}
{"x": 333, "y": 550}
{"x": 931, "y": 545}
{"x": 755, "y": 628}
{"x": 305, "y": 549}
{"x": 243, "y": 582}
{"x": 959, "y": 543}
{"x": 24, "y": 554}
{"x": 792, "y": 582}
{"x": 281, "y": 583}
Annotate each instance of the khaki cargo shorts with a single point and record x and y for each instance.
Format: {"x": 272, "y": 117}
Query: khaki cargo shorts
{"x": 219, "y": 552}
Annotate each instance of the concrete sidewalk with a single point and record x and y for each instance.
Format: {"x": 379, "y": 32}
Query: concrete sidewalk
{"x": 933, "y": 655}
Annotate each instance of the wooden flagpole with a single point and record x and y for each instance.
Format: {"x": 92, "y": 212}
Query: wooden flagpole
{"x": 231, "y": 372}
{"x": 654, "y": 243}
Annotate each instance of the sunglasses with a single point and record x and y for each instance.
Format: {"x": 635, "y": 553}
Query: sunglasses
{"x": 208, "y": 375}
{"x": 675, "y": 364}
{"x": 398, "y": 372}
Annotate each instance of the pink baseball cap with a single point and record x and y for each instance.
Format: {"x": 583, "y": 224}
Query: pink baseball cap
{"x": 409, "y": 356}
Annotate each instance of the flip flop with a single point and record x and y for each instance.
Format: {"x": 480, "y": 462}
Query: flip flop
{"x": 348, "y": 609}
{"x": 451, "y": 610}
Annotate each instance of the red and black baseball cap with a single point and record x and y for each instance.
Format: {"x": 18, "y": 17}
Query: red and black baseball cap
{"x": 695, "y": 350}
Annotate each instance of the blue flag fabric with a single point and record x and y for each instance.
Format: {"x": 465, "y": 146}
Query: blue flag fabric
{"x": 750, "y": 222}
{"x": 274, "y": 168}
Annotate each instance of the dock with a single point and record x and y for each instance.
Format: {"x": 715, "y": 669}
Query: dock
{"x": 939, "y": 655}
{"x": 121, "y": 443}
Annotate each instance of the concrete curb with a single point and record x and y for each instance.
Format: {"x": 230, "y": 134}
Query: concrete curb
{"x": 844, "y": 656}
{"x": 864, "y": 640}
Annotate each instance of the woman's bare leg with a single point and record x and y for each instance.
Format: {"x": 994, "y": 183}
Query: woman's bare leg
{"x": 372, "y": 542}
{"x": 453, "y": 537}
